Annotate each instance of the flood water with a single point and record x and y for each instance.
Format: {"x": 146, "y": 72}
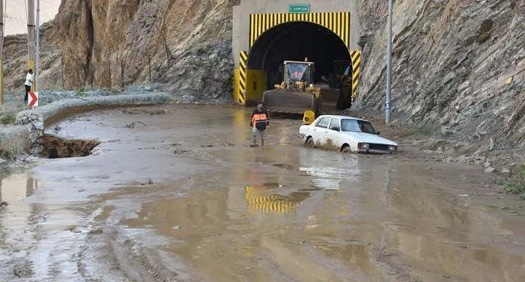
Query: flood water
{"x": 182, "y": 196}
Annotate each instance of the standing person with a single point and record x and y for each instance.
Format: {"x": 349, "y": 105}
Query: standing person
{"x": 260, "y": 120}
{"x": 29, "y": 83}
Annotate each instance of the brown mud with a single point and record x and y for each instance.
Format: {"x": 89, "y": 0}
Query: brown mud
{"x": 56, "y": 147}
{"x": 182, "y": 196}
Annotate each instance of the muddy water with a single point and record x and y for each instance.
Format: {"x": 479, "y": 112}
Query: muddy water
{"x": 182, "y": 196}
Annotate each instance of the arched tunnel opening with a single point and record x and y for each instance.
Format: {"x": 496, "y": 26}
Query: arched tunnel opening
{"x": 298, "y": 41}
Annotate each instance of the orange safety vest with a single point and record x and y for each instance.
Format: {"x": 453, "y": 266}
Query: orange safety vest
{"x": 259, "y": 117}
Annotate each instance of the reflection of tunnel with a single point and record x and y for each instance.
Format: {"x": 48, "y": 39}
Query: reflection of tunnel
{"x": 296, "y": 41}
{"x": 261, "y": 199}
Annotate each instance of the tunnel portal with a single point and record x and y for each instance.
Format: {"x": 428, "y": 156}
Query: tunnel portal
{"x": 297, "y": 41}
{"x": 267, "y": 33}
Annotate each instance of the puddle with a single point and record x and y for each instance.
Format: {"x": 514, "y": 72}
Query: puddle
{"x": 228, "y": 232}
{"x": 342, "y": 218}
{"x": 265, "y": 199}
{"x": 228, "y": 212}
{"x": 16, "y": 212}
{"x": 14, "y": 190}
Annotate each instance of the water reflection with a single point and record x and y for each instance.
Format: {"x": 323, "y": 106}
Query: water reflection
{"x": 264, "y": 199}
{"x": 328, "y": 169}
{"x": 344, "y": 217}
{"x": 15, "y": 188}
{"x": 16, "y": 215}
{"x": 241, "y": 130}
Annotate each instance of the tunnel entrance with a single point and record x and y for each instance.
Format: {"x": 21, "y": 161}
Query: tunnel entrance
{"x": 297, "y": 41}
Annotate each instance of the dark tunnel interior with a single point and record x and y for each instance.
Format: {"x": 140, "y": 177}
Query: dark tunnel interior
{"x": 297, "y": 41}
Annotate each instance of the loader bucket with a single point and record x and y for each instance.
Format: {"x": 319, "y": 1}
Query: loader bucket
{"x": 291, "y": 102}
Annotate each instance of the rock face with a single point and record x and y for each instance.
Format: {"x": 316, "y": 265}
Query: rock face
{"x": 112, "y": 43}
{"x": 458, "y": 65}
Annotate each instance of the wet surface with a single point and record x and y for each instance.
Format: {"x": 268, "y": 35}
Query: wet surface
{"x": 180, "y": 195}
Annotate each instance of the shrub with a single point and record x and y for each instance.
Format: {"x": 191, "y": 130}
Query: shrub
{"x": 515, "y": 184}
{"x": 421, "y": 131}
{"x": 81, "y": 92}
{"x": 7, "y": 119}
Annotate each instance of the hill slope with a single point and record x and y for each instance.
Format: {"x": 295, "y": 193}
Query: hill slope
{"x": 453, "y": 61}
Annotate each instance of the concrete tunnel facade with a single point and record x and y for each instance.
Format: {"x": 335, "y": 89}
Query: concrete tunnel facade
{"x": 266, "y": 33}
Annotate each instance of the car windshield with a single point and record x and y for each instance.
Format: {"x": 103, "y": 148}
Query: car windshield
{"x": 353, "y": 125}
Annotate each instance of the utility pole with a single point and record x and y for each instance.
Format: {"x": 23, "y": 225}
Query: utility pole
{"x": 31, "y": 36}
{"x": 388, "y": 102}
{"x": 37, "y": 44}
{"x": 1, "y": 51}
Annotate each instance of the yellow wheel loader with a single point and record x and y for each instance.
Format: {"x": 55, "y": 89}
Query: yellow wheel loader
{"x": 296, "y": 94}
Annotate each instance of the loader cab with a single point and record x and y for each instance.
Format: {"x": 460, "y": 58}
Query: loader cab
{"x": 298, "y": 72}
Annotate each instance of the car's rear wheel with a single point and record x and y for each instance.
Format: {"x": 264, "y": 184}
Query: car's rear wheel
{"x": 346, "y": 148}
{"x": 309, "y": 142}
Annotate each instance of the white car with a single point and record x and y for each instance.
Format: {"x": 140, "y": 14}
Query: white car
{"x": 345, "y": 134}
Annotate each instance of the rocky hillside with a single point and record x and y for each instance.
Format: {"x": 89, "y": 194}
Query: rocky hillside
{"x": 453, "y": 59}
{"x": 459, "y": 66}
{"x": 182, "y": 44}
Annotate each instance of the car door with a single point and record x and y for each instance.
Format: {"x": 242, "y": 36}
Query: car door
{"x": 333, "y": 134}
{"x": 321, "y": 130}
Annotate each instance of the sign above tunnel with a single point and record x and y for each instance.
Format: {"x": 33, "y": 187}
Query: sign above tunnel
{"x": 299, "y": 8}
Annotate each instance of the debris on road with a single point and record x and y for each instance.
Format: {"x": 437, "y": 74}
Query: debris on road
{"x": 132, "y": 125}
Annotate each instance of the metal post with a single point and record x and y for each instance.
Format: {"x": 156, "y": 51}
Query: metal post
{"x": 1, "y": 51}
{"x": 388, "y": 103}
{"x": 37, "y": 44}
{"x": 31, "y": 36}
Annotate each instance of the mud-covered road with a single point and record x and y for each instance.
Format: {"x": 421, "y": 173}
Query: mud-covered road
{"x": 176, "y": 193}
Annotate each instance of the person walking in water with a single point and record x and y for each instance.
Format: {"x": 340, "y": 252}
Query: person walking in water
{"x": 29, "y": 83}
{"x": 259, "y": 121}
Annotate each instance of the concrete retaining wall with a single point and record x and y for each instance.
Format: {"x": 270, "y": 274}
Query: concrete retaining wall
{"x": 26, "y": 135}
{"x": 14, "y": 140}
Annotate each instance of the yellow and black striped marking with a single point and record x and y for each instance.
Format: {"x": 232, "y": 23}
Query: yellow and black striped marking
{"x": 259, "y": 199}
{"x": 356, "y": 70}
{"x": 272, "y": 203}
{"x": 242, "y": 76}
{"x": 337, "y": 22}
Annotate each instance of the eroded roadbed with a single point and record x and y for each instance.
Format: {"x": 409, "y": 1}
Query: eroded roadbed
{"x": 181, "y": 195}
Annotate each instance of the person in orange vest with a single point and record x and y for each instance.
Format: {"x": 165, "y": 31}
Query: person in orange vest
{"x": 260, "y": 120}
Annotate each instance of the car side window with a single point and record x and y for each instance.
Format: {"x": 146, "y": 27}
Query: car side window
{"x": 350, "y": 125}
{"x": 334, "y": 125}
{"x": 323, "y": 122}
